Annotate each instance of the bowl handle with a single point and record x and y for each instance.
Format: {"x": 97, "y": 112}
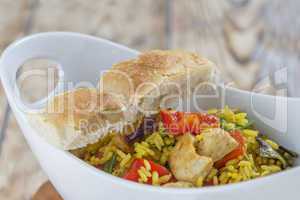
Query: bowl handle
{"x": 32, "y": 47}
{"x": 72, "y": 51}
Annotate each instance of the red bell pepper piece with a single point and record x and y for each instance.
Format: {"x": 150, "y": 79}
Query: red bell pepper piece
{"x": 209, "y": 182}
{"x": 132, "y": 173}
{"x": 182, "y": 122}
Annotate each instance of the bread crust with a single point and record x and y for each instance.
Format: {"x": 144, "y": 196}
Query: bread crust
{"x": 132, "y": 88}
{"x": 144, "y": 81}
{"x": 76, "y": 118}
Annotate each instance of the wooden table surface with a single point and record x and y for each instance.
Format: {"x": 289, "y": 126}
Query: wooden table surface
{"x": 46, "y": 192}
{"x": 246, "y": 38}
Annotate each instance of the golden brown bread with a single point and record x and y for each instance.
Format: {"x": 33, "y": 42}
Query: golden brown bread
{"x": 79, "y": 117}
{"x": 132, "y": 88}
{"x": 157, "y": 78}
{"x": 78, "y": 106}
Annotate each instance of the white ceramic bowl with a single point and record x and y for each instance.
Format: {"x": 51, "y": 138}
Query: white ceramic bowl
{"x": 81, "y": 57}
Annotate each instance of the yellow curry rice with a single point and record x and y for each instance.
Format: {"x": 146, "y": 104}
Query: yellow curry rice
{"x": 158, "y": 145}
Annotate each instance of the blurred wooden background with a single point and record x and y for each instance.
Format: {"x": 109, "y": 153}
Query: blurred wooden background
{"x": 247, "y": 39}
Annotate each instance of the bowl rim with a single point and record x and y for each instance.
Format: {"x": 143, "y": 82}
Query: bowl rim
{"x": 253, "y": 93}
{"x": 137, "y": 186}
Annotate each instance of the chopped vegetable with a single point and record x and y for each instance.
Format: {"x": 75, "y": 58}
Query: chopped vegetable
{"x": 248, "y": 125}
{"x": 290, "y": 152}
{"x": 228, "y": 114}
{"x": 266, "y": 151}
{"x": 109, "y": 165}
{"x": 147, "y": 126}
{"x": 120, "y": 142}
{"x": 289, "y": 155}
{"x": 239, "y": 151}
{"x": 133, "y": 173}
{"x": 273, "y": 144}
{"x": 241, "y": 120}
{"x": 150, "y": 124}
{"x": 138, "y": 133}
{"x": 250, "y": 133}
{"x": 227, "y": 126}
{"x": 183, "y": 122}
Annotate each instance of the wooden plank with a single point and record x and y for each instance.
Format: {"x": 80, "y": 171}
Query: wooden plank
{"x": 20, "y": 174}
{"x": 47, "y": 192}
{"x": 13, "y": 14}
{"x": 13, "y": 176}
{"x": 248, "y": 40}
{"x": 12, "y": 17}
{"x": 209, "y": 28}
{"x": 137, "y": 24}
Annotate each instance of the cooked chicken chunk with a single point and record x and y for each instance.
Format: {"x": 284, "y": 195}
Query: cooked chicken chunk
{"x": 216, "y": 143}
{"x": 179, "y": 184}
{"x": 185, "y": 163}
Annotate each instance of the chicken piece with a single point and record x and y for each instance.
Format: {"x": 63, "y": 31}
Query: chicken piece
{"x": 185, "y": 163}
{"x": 216, "y": 143}
{"x": 179, "y": 184}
